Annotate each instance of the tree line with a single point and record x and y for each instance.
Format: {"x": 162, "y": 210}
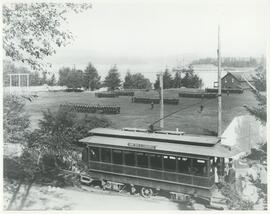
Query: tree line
{"x": 90, "y": 79}
{"x": 183, "y": 78}
{"x": 228, "y": 62}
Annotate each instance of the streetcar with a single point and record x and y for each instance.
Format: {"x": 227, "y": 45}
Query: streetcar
{"x": 150, "y": 162}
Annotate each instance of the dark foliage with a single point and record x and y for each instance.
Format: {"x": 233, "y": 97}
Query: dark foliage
{"x": 190, "y": 80}
{"x": 91, "y": 79}
{"x": 15, "y": 120}
{"x": 33, "y": 31}
{"x": 71, "y": 78}
{"x": 234, "y": 200}
{"x": 167, "y": 80}
{"x": 136, "y": 81}
{"x": 112, "y": 80}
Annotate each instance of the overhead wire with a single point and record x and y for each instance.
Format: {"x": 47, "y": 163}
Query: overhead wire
{"x": 179, "y": 110}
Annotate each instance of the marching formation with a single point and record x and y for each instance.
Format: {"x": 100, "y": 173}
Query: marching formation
{"x": 97, "y": 108}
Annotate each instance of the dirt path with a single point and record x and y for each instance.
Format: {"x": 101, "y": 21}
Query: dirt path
{"x": 88, "y": 198}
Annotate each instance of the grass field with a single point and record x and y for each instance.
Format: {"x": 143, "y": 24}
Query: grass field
{"x": 139, "y": 115}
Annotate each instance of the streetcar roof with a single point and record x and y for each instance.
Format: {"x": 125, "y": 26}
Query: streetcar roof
{"x": 217, "y": 150}
{"x": 160, "y": 137}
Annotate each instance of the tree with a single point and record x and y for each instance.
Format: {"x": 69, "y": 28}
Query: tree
{"x": 43, "y": 79}
{"x": 112, "y": 80}
{"x": 50, "y": 148}
{"x": 34, "y": 79}
{"x": 260, "y": 78}
{"x": 167, "y": 80}
{"x": 58, "y": 135}
{"x": 15, "y": 121}
{"x": 91, "y": 79}
{"x": 136, "y": 81}
{"x": 52, "y": 81}
{"x": 34, "y": 31}
{"x": 177, "y": 80}
{"x": 71, "y": 78}
{"x": 260, "y": 85}
{"x": 190, "y": 79}
{"x": 128, "y": 81}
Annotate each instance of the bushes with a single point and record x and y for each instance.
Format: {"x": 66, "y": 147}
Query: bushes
{"x": 234, "y": 200}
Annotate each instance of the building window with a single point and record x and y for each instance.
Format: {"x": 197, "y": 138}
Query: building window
{"x": 226, "y": 81}
{"x": 232, "y": 80}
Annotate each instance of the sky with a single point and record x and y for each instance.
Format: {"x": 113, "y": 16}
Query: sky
{"x": 146, "y": 35}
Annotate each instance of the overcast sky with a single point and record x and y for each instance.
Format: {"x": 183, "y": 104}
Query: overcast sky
{"x": 150, "y": 33}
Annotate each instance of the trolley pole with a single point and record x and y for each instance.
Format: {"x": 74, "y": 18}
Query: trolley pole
{"x": 161, "y": 101}
{"x": 219, "y": 87}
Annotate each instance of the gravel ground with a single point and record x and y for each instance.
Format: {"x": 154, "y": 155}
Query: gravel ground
{"x": 90, "y": 198}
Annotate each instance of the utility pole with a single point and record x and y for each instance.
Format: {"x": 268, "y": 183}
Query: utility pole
{"x": 161, "y": 100}
{"x": 219, "y": 87}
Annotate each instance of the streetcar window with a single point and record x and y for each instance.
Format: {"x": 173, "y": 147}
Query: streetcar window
{"x": 156, "y": 161}
{"x": 142, "y": 160}
{"x": 117, "y": 157}
{"x": 129, "y": 158}
{"x": 200, "y": 167}
{"x": 184, "y": 165}
{"x": 169, "y": 163}
{"x": 105, "y": 155}
{"x": 94, "y": 153}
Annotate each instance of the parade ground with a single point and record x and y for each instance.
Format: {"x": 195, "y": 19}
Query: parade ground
{"x": 136, "y": 115}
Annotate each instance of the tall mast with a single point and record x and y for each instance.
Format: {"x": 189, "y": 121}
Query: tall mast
{"x": 219, "y": 87}
{"x": 161, "y": 101}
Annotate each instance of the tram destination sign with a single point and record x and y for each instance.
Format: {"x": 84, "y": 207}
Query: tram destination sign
{"x": 144, "y": 146}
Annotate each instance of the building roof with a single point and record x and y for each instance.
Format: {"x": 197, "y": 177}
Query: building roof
{"x": 243, "y": 76}
{"x": 158, "y": 137}
{"x": 218, "y": 150}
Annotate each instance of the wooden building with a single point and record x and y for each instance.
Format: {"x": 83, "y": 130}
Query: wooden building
{"x": 238, "y": 80}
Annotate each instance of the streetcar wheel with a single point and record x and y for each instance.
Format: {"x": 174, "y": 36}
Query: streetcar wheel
{"x": 146, "y": 192}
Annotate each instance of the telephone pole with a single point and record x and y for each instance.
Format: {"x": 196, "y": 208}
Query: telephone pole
{"x": 219, "y": 87}
{"x": 161, "y": 100}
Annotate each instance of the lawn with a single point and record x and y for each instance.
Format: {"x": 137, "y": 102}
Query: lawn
{"x": 139, "y": 115}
